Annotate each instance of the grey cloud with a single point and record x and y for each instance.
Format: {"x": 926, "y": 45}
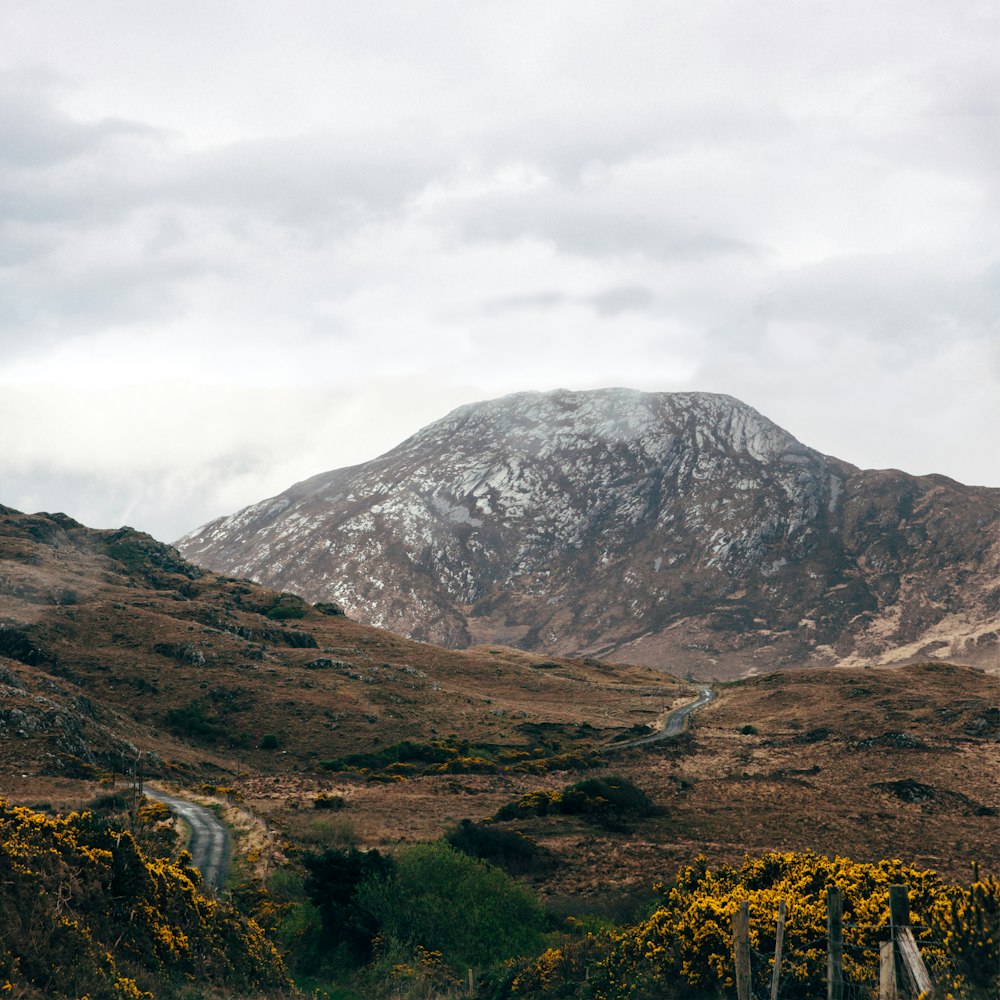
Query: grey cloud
{"x": 516, "y": 303}
{"x": 65, "y": 185}
{"x": 891, "y": 298}
{"x": 35, "y": 134}
{"x": 609, "y": 303}
{"x": 567, "y": 143}
{"x": 157, "y": 502}
{"x": 55, "y": 306}
{"x": 600, "y": 229}
{"x": 315, "y": 181}
{"x": 627, "y": 298}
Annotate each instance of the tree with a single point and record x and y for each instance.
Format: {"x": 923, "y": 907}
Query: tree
{"x": 332, "y": 884}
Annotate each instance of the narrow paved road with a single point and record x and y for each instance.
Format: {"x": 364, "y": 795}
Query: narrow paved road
{"x": 677, "y": 719}
{"x": 673, "y": 722}
{"x": 209, "y": 844}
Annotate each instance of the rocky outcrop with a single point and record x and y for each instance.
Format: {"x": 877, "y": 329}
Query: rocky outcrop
{"x": 664, "y": 526}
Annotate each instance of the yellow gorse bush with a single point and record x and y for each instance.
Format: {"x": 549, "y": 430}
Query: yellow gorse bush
{"x": 83, "y": 906}
{"x": 685, "y": 947}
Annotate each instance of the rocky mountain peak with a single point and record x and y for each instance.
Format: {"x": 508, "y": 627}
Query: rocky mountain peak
{"x": 613, "y": 522}
{"x": 537, "y": 424}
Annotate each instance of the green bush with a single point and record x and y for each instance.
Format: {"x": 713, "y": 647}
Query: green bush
{"x": 190, "y": 721}
{"x": 294, "y": 922}
{"x": 333, "y": 802}
{"x": 286, "y": 606}
{"x": 269, "y": 742}
{"x": 539, "y": 803}
{"x": 283, "y": 612}
{"x": 110, "y": 802}
{"x": 605, "y": 796}
{"x": 444, "y": 901}
{"x": 329, "y": 608}
{"x": 609, "y": 800}
{"x": 514, "y": 853}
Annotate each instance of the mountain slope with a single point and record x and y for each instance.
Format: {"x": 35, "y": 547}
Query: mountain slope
{"x": 115, "y": 650}
{"x": 683, "y": 527}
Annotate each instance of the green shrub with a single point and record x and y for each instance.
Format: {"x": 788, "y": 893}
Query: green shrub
{"x": 286, "y": 606}
{"x": 539, "y": 803}
{"x": 333, "y": 802}
{"x": 609, "y": 800}
{"x": 269, "y": 742}
{"x": 329, "y": 608}
{"x": 468, "y": 910}
{"x": 191, "y": 721}
{"x": 335, "y": 832}
{"x": 284, "y": 612}
{"x": 110, "y": 802}
{"x": 605, "y": 796}
{"x": 514, "y": 853}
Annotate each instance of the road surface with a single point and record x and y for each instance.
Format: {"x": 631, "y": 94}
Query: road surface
{"x": 673, "y": 722}
{"x": 209, "y": 843}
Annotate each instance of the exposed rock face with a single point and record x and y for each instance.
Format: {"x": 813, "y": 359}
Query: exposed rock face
{"x": 680, "y": 528}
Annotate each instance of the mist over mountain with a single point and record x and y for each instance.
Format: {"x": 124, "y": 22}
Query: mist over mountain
{"x": 677, "y": 529}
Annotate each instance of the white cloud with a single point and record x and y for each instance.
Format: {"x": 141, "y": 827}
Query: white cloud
{"x": 341, "y": 220}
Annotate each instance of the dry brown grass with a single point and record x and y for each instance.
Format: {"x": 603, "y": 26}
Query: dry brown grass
{"x": 725, "y": 793}
{"x": 101, "y": 687}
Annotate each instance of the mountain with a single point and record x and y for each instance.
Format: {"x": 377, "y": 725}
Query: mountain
{"x": 677, "y": 529}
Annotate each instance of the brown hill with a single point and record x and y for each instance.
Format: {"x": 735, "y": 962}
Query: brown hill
{"x": 114, "y": 650}
{"x": 112, "y": 646}
{"x": 681, "y": 530}
{"x": 870, "y": 764}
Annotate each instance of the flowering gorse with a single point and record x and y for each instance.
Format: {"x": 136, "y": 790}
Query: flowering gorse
{"x": 685, "y": 947}
{"x": 83, "y": 905}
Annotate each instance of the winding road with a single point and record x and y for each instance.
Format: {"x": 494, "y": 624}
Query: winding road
{"x": 209, "y": 843}
{"x": 673, "y": 722}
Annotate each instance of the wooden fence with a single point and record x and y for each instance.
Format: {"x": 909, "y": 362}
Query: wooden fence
{"x": 902, "y": 973}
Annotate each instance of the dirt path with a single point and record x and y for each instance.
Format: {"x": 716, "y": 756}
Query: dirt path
{"x": 209, "y": 843}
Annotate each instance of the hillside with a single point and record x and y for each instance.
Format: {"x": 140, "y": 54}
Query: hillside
{"x": 889, "y": 762}
{"x": 683, "y": 530}
{"x": 114, "y": 650}
{"x": 313, "y": 733}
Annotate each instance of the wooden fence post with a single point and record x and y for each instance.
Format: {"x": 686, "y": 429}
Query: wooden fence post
{"x": 899, "y": 916}
{"x": 741, "y": 950}
{"x": 899, "y": 905}
{"x": 834, "y": 944}
{"x": 917, "y": 979}
{"x": 779, "y": 938}
{"x": 887, "y": 971}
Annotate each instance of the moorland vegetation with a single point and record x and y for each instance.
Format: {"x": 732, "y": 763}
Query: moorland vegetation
{"x": 104, "y": 903}
{"x": 390, "y": 859}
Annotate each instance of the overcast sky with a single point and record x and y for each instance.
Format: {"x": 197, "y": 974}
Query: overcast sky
{"x": 242, "y": 243}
